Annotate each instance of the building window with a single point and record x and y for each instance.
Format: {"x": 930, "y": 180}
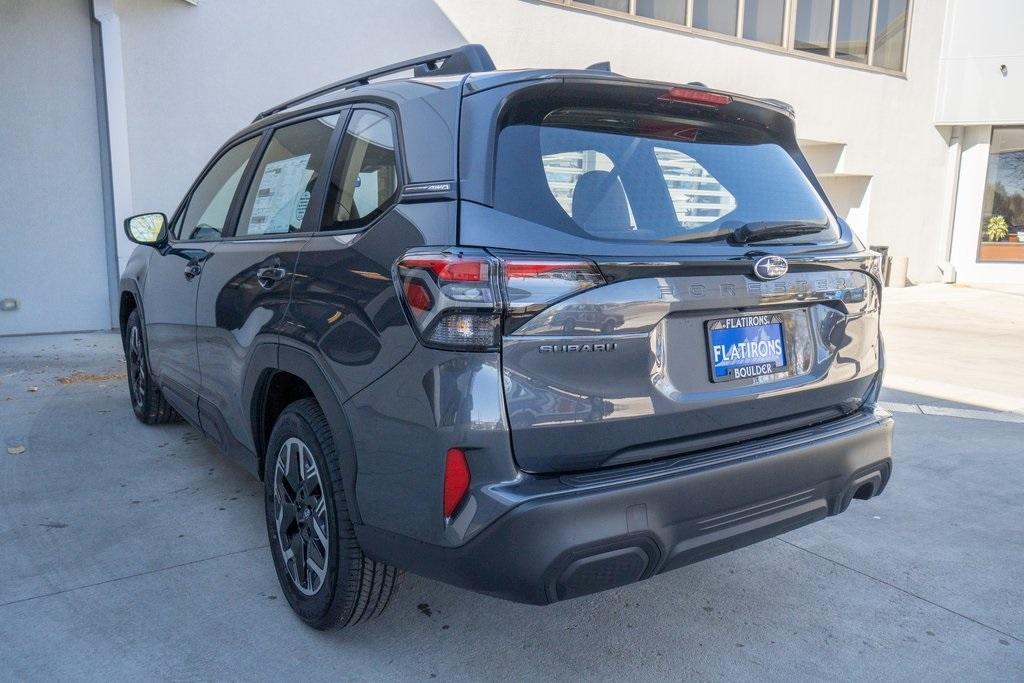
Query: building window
{"x": 852, "y": 30}
{"x": 665, "y": 10}
{"x": 716, "y": 15}
{"x": 763, "y": 20}
{"x": 871, "y": 33}
{"x": 1002, "y": 212}
{"x": 813, "y": 30}
{"x": 890, "y": 32}
{"x": 617, "y": 5}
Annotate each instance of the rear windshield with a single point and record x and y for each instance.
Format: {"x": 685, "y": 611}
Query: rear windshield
{"x": 616, "y": 175}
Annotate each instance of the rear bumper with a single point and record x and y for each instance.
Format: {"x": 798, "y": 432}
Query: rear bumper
{"x": 586, "y": 533}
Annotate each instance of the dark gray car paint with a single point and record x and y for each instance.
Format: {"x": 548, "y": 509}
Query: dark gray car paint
{"x": 396, "y": 406}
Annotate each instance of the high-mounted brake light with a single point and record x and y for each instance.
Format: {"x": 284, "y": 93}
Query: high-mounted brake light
{"x": 695, "y": 96}
{"x": 456, "y": 480}
{"x": 466, "y": 298}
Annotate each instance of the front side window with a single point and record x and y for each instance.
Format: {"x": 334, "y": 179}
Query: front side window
{"x": 1002, "y": 217}
{"x": 279, "y": 195}
{"x": 623, "y": 175}
{"x": 365, "y": 176}
{"x": 208, "y": 207}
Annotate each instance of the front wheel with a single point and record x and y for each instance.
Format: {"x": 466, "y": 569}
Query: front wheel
{"x": 148, "y": 403}
{"x": 322, "y": 570}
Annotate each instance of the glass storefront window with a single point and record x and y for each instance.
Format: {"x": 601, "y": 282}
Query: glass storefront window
{"x": 1002, "y": 214}
{"x": 665, "y": 10}
{"x": 890, "y": 32}
{"x": 852, "y": 31}
{"x": 763, "y": 19}
{"x": 813, "y": 26}
{"x": 719, "y": 16}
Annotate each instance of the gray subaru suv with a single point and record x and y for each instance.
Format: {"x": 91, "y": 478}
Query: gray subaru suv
{"x": 534, "y": 333}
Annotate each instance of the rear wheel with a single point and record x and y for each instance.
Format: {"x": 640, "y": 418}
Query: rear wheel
{"x": 322, "y": 570}
{"x": 148, "y": 403}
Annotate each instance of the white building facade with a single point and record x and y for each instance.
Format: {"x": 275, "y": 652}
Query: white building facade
{"x": 911, "y": 112}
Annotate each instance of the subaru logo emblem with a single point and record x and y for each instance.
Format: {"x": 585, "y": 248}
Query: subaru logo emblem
{"x": 770, "y": 267}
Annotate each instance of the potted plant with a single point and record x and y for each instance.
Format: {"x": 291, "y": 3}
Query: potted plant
{"x": 996, "y": 229}
{"x": 998, "y": 244}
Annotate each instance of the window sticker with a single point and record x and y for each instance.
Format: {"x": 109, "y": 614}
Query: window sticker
{"x": 279, "y": 196}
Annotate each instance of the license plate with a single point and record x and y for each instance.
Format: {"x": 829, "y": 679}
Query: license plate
{"x": 746, "y": 346}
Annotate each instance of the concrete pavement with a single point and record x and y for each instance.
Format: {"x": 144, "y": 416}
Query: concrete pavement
{"x": 134, "y": 551}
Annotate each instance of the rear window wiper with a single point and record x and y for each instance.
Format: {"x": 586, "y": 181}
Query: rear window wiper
{"x": 769, "y": 230}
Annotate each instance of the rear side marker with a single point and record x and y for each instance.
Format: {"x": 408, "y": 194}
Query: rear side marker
{"x": 456, "y": 480}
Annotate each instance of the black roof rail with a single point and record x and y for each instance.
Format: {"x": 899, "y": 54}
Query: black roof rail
{"x": 460, "y": 60}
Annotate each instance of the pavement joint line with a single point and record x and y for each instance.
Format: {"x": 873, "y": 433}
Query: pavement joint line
{"x": 903, "y": 590}
{"x": 945, "y": 411}
{"x": 132, "y": 576}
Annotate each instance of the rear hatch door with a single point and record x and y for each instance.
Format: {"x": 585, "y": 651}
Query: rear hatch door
{"x": 731, "y": 302}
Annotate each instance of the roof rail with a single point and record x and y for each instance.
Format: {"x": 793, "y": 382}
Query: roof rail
{"x": 460, "y": 60}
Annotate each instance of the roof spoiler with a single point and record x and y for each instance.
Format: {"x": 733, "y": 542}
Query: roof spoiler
{"x": 460, "y": 60}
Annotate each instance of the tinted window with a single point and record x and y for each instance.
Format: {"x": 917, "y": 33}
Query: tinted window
{"x": 279, "y": 195}
{"x": 620, "y": 175}
{"x": 208, "y": 207}
{"x": 365, "y": 175}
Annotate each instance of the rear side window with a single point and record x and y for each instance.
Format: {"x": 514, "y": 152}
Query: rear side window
{"x": 279, "y": 195}
{"x": 364, "y": 181}
{"x": 620, "y": 175}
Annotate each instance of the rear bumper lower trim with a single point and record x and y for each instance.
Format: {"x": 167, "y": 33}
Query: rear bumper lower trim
{"x": 604, "y": 529}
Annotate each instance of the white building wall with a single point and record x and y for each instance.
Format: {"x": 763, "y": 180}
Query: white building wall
{"x": 885, "y": 121}
{"x": 981, "y": 37}
{"x": 52, "y": 233}
{"x": 981, "y": 85}
{"x": 196, "y": 74}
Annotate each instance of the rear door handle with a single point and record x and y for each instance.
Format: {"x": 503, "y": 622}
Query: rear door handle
{"x": 268, "y": 277}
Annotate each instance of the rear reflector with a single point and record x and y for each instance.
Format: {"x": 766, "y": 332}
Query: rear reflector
{"x": 695, "y": 96}
{"x": 456, "y": 480}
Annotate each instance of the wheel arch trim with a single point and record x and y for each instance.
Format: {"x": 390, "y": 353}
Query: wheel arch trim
{"x": 264, "y": 363}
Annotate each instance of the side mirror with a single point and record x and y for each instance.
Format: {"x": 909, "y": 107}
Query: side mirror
{"x": 149, "y": 229}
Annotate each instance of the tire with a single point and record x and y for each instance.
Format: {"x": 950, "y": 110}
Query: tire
{"x": 148, "y": 404}
{"x": 347, "y": 587}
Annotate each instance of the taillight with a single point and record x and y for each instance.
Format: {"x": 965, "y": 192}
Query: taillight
{"x": 533, "y": 284}
{"x": 696, "y": 96}
{"x": 456, "y": 480}
{"x": 459, "y": 298}
{"x": 453, "y": 298}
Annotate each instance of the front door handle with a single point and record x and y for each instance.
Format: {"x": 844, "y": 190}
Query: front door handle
{"x": 193, "y": 269}
{"x": 268, "y": 277}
